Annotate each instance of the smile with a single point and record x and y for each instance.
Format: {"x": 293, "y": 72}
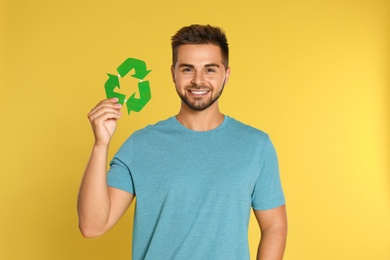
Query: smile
{"x": 199, "y": 92}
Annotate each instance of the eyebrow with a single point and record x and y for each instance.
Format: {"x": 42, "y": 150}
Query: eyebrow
{"x": 192, "y": 66}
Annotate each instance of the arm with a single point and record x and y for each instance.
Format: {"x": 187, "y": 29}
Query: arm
{"x": 273, "y": 227}
{"x": 99, "y": 206}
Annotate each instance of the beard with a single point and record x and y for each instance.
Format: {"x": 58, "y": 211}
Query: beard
{"x": 197, "y": 104}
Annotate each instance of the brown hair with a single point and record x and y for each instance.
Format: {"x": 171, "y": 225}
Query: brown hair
{"x": 201, "y": 34}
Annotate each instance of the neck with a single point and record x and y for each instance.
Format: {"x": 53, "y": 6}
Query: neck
{"x": 205, "y": 120}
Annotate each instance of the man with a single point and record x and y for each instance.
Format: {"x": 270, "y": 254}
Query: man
{"x": 195, "y": 175}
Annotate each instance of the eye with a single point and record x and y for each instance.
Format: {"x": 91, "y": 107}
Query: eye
{"x": 186, "y": 69}
{"x": 210, "y": 70}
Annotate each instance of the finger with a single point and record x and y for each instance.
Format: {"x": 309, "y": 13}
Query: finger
{"x": 105, "y": 113}
{"x": 106, "y": 116}
{"x": 111, "y": 102}
{"x": 98, "y": 123}
{"x": 105, "y": 105}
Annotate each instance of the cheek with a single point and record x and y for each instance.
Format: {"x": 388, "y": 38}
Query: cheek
{"x": 183, "y": 80}
{"x": 180, "y": 83}
{"x": 216, "y": 82}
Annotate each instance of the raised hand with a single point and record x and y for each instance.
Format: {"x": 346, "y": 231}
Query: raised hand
{"x": 103, "y": 120}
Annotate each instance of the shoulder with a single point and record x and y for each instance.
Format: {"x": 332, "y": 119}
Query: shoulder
{"x": 157, "y": 130}
{"x": 147, "y": 134}
{"x": 245, "y": 130}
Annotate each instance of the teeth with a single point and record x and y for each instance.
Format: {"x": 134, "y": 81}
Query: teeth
{"x": 198, "y": 92}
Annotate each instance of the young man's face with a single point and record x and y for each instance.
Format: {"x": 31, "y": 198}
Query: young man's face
{"x": 199, "y": 75}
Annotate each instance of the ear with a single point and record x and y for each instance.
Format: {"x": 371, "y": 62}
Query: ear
{"x": 227, "y": 75}
{"x": 173, "y": 73}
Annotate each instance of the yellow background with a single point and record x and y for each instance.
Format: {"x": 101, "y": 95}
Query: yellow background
{"x": 313, "y": 74}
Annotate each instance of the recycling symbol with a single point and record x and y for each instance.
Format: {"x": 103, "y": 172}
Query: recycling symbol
{"x": 132, "y": 103}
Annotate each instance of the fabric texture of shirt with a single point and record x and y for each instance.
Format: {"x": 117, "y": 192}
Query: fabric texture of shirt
{"x": 195, "y": 190}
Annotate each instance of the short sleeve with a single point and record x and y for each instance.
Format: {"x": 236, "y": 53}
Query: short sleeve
{"x": 268, "y": 192}
{"x": 119, "y": 174}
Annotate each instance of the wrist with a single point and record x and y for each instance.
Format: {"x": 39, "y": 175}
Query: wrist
{"x": 100, "y": 146}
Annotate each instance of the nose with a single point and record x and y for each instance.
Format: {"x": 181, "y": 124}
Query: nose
{"x": 198, "y": 79}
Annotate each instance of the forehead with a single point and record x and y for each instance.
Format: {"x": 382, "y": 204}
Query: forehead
{"x": 199, "y": 54}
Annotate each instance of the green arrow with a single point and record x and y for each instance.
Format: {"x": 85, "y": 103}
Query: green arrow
{"x": 136, "y": 104}
{"x": 138, "y": 65}
{"x": 110, "y": 85}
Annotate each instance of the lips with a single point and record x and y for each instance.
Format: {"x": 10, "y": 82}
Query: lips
{"x": 199, "y": 91}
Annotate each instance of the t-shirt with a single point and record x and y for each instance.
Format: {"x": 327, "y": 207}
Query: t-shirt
{"x": 194, "y": 190}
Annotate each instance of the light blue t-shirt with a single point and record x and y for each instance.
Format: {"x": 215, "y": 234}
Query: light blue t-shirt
{"x": 194, "y": 190}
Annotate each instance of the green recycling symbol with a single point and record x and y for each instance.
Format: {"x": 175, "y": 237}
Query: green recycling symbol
{"x": 133, "y": 104}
